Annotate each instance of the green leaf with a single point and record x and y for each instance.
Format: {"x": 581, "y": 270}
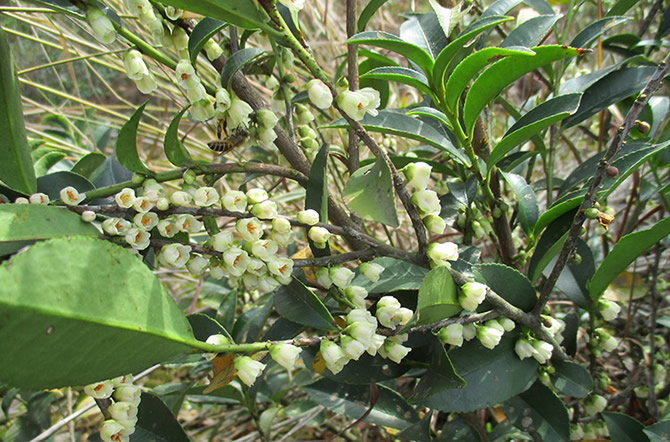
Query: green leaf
{"x": 609, "y": 90}
{"x": 88, "y": 163}
{"x": 156, "y": 423}
{"x": 440, "y": 376}
{"x": 449, "y": 52}
{"x": 46, "y": 162}
{"x": 390, "y": 409}
{"x": 433, "y": 113}
{"x": 297, "y": 303}
{"x": 467, "y": 69}
{"x": 239, "y": 13}
{"x": 371, "y": 193}
{"x": 204, "y": 326}
{"x": 624, "y": 428}
{"x": 574, "y": 279}
{"x": 316, "y": 195}
{"x": 400, "y": 75}
{"x": 507, "y": 282}
{"x": 625, "y": 252}
{"x": 590, "y": 34}
{"x": 394, "y": 123}
{"x": 397, "y": 275}
{"x": 500, "y": 7}
{"x": 53, "y": 183}
{"x": 367, "y": 13}
{"x": 16, "y": 167}
{"x": 540, "y": 412}
{"x": 659, "y": 432}
{"x": 492, "y": 376}
{"x": 627, "y": 165}
{"x": 539, "y": 118}
{"x": 549, "y": 243}
{"x": 32, "y": 222}
{"x": 528, "y": 206}
{"x": 201, "y": 33}
{"x": 238, "y": 61}
{"x": 503, "y": 72}
{"x": 438, "y": 298}
{"x": 393, "y": 43}
{"x": 100, "y": 300}
{"x": 175, "y": 152}
{"x": 621, "y": 7}
{"x": 126, "y": 144}
{"x": 531, "y": 32}
{"x": 249, "y": 325}
{"x": 572, "y": 380}
{"x": 424, "y": 31}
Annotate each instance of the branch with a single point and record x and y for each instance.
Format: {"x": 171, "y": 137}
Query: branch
{"x": 615, "y": 146}
{"x": 352, "y": 67}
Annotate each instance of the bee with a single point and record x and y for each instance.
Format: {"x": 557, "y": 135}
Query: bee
{"x": 225, "y": 145}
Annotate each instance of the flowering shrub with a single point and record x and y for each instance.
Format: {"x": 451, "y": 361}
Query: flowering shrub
{"x": 422, "y": 236}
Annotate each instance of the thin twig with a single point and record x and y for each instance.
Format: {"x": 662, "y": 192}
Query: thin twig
{"x": 615, "y": 146}
{"x": 352, "y": 67}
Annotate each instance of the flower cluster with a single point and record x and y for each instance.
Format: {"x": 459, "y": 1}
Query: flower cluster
{"x": 360, "y": 334}
{"x": 123, "y": 412}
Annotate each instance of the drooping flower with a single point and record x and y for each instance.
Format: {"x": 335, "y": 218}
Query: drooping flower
{"x": 372, "y": 271}
{"x": 175, "y": 255}
{"x": 101, "y": 25}
{"x": 285, "y": 355}
{"x": 427, "y": 202}
{"x": 319, "y": 94}
{"x": 248, "y": 370}
{"x": 100, "y": 390}
{"x": 341, "y": 276}
{"x": 309, "y": 217}
{"x": 523, "y": 348}
{"x": 440, "y": 253}
{"x": 356, "y": 103}
{"x": 489, "y": 337}
{"x": 452, "y": 334}
{"x": 418, "y": 174}
{"x": 333, "y": 356}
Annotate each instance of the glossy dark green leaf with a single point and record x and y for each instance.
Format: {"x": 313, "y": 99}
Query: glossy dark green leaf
{"x": 583, "y": 82}
{"x": 539, "y": 118}
{"x": 46, "y": 162}
{"x": 528, "y": 206}
{"x": 126, "y": 144}
{"x": 406, "y": 76}
{"x": 316, "y": 195}
{"x": 620, "y": 7}
{"x": 240, "y": 13}
{"x": 440, "y": 376}
{"x": 88, "y": 163}
{"x": 539, "y": 411}
{"x": 507, "y": 282}
{"x": 52, "y": 183}
{"x": 156, "y": 423}
{"x": 175, "y": 152}
{"x": 610, "y": 89}
{"x": 16, "y": 167}
{"x": 572, "y": 380}
{"x": 99, "y": 300}
{"x": 424, "y": 31}
{"x": 201, "y": 33}
{"x": 447, "y": 54}
{"x": 393, "y": 43}
{"x": 628, "y": 164}
{"x": 204, "y": 326}
{"x": 368, "y": 12}
{"x": 471, "y": 65}
{"x": 590, "y": 34}
{"x": 238, "y": 61}
{"x": 371, "y": 193}
{"x": 433, "y": 113}
{"x": 397, "y": 275}
{"x": 574, "y": 278}
{"x": 297, "y": 303}
{"x": 531, "y": 32}
{"x": 390, "y": 410}
{"x": 624, "y": 428}
{"x": 492, "y": 376}
{"x": 550, "y": 241}
{"x": 394, "y": 123}
{"x": 249, "y": 325}
{"x": 500, "y": 7}
{"x": 625, "y": 252}
{"x": 418, "y": 432}
{"x": 659, "y": 432}
{"x": 110, "y": 172}
{"x": 503, "y": 72}
{"x": 567, "y": 203}
{"x": 438, "y": 298}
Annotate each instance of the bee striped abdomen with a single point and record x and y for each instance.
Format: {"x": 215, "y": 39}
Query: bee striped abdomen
{"x": 237, "y": 138}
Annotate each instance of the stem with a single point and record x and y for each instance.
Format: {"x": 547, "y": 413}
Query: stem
{"x": 590, "y": 197}
{"x": 352, "y": 66}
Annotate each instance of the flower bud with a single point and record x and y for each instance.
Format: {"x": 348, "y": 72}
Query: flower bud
{"x": 39, "y": 198}
{"x": 356, "y": 294}
{"x": 266, "y": 119}
{"x": 323, "y": 277}
{"x": 303, "y": 115}
{"x": 124, "y": 413}
{"x": 609, "y": 310}
{"x": 452, "y": 335}
{"x": 212, "y": 49}
{"x": 22, "y": 200}
{"x": 128, "y": 393}
{"x": 88, "y": 216}
{"x": 507, "y": 324}
{"x": 101, "y": 25}
{"x": 309, "y": 217}
{"x": 319, "y": 94}
{"x": 434, "y": 224}
{"x": 320, "y": 236}
{"x": 341, "y": 277}
{"x": 418, "y": 174}
{"x": 333, "y": 356}
{"x": 255, "y": 196}
{"x": 265, "y": 210}
{"x": 281, "y": 225}
{"x": 285, "y": 355}
{"x": 440, "y": 253}
{"x": 247, "y": 369}
{"x": 594, "y": 404}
